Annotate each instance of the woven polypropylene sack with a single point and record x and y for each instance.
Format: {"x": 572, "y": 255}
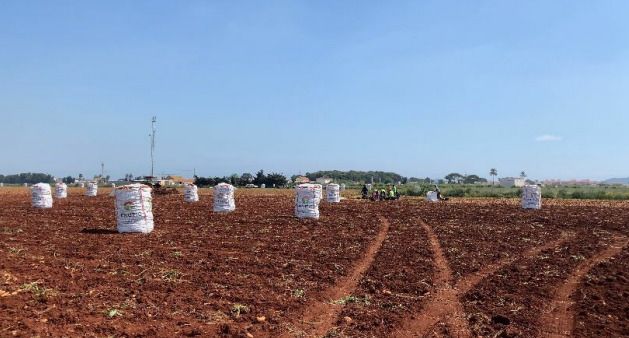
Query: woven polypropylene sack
{"x": 319, "y": 190}
{"x": 92, "y": 189}
{"x": 432, "y": 196}
{"x": 307, "y": 198}
{"x": 134, "y": 208}
{"x": 41, "y": 195}
{"x": 333, "y": 192}
{"x": 531, "y": 197}
{"x": 61, "y": 190}
{"x": 190, "y": 193}
{"x": 224, "y": 198}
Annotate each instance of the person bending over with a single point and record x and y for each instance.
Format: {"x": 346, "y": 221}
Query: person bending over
{"x": 365, "y": 192}
{"x": 439, "y": 196}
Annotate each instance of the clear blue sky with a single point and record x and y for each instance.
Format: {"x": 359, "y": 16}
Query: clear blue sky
{"x": 422, "y": 88}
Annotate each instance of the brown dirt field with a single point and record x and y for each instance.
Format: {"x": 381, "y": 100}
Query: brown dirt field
{"x": 602, "y": 302}
{"x": 364, "y": 269}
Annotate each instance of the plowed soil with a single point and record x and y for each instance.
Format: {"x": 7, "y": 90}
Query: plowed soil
{"x": 466, "y": 267}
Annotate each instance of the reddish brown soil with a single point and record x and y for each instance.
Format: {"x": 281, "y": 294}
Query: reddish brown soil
{"x": 321, "y": 313}
{"x": 602, "y": 300}
{"x": 558, "y": 321}
{"x": 462, "y": 268}
{"x": 443, "y": 304}
{"x": 396, "y": 283}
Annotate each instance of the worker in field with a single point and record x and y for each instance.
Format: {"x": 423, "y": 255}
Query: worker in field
{"x": 365, "y": 192}
{"x": 395, "y": 193}
{"x": 383, "y": 194}
{"x": 439, "y": 196}
{"x": 375, "y": 195}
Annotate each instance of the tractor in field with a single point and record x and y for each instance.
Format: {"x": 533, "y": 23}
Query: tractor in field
{"x": 156, "y": 185}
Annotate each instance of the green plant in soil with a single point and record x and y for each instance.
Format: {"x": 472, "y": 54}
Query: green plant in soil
{"x": 238, "y": 309}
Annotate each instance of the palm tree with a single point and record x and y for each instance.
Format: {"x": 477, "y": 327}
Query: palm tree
{"x": 523, "y": 174}
{"x": 493, "y": 173}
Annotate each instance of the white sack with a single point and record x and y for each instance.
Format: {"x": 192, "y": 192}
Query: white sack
{"x": 190, "y": 193}
{"x": 41, "y": 195}
{"x": 307, "y": 198}
{"x": 224, "y": 198}
{"x": 531, "y": 197}
{"x": 334, "y": 193}
{"x": 432, "y": 196}
{"x": 61, "y": 190}
{"x": 92, "y": 189}
{"x": 134, "y": 208}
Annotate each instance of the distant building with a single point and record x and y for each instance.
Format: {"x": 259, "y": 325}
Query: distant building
{"x": 176, "y": 180}
{"x": 584, "y": 182}
{"x": 324, "y": 180}
{"x": 512, "y": 182}
{"x": 302, "y": 179}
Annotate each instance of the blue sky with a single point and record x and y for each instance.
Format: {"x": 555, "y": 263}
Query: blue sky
{"x": 422, "y": 88}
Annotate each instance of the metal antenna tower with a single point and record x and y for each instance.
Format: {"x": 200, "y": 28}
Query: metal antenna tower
{"x": 152, "y": 135}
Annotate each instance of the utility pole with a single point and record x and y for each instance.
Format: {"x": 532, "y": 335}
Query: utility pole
{"x": 152, "y": 135}
{"x": 102, "y": 170}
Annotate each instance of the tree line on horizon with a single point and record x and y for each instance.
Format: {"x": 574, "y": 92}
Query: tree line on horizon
{"x": 29, "y": 178}
{"x": 270, "y": 180}
{"x": 278, "y": 179}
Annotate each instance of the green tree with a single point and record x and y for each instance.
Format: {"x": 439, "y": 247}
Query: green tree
{"x": 472, "y": 179}
{"x": 357, "y": 176}
{"x": 493, "y": 173}
{"x": 275, "y": 179}
{"x": 523, "y": 174}
{"x": 260, "y": 178}
{"x": 68, "y": 180}
{"x": 30, "y": 178}
{"x": 454, "y": 178}
{"x": 246, "y": 178}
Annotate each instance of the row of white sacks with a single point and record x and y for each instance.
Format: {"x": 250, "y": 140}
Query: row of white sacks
{"x": 134, "y": 205}
{"x": 40, "y": 191}
{"x": 531, "y": 197}
{"x": 61, "y": 190}
{"x": 134, "y": 202}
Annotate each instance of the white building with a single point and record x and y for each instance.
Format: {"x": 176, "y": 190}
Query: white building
{"x": 324, "y": 180}
{"x": 512, "y": 182}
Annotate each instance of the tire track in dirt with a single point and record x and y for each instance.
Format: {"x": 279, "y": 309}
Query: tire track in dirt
{"x": 321, "y": 314}
{"x": 444, "y": 302}
{"x": 558, "y": 320}
{"x": 469, "y": 282}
